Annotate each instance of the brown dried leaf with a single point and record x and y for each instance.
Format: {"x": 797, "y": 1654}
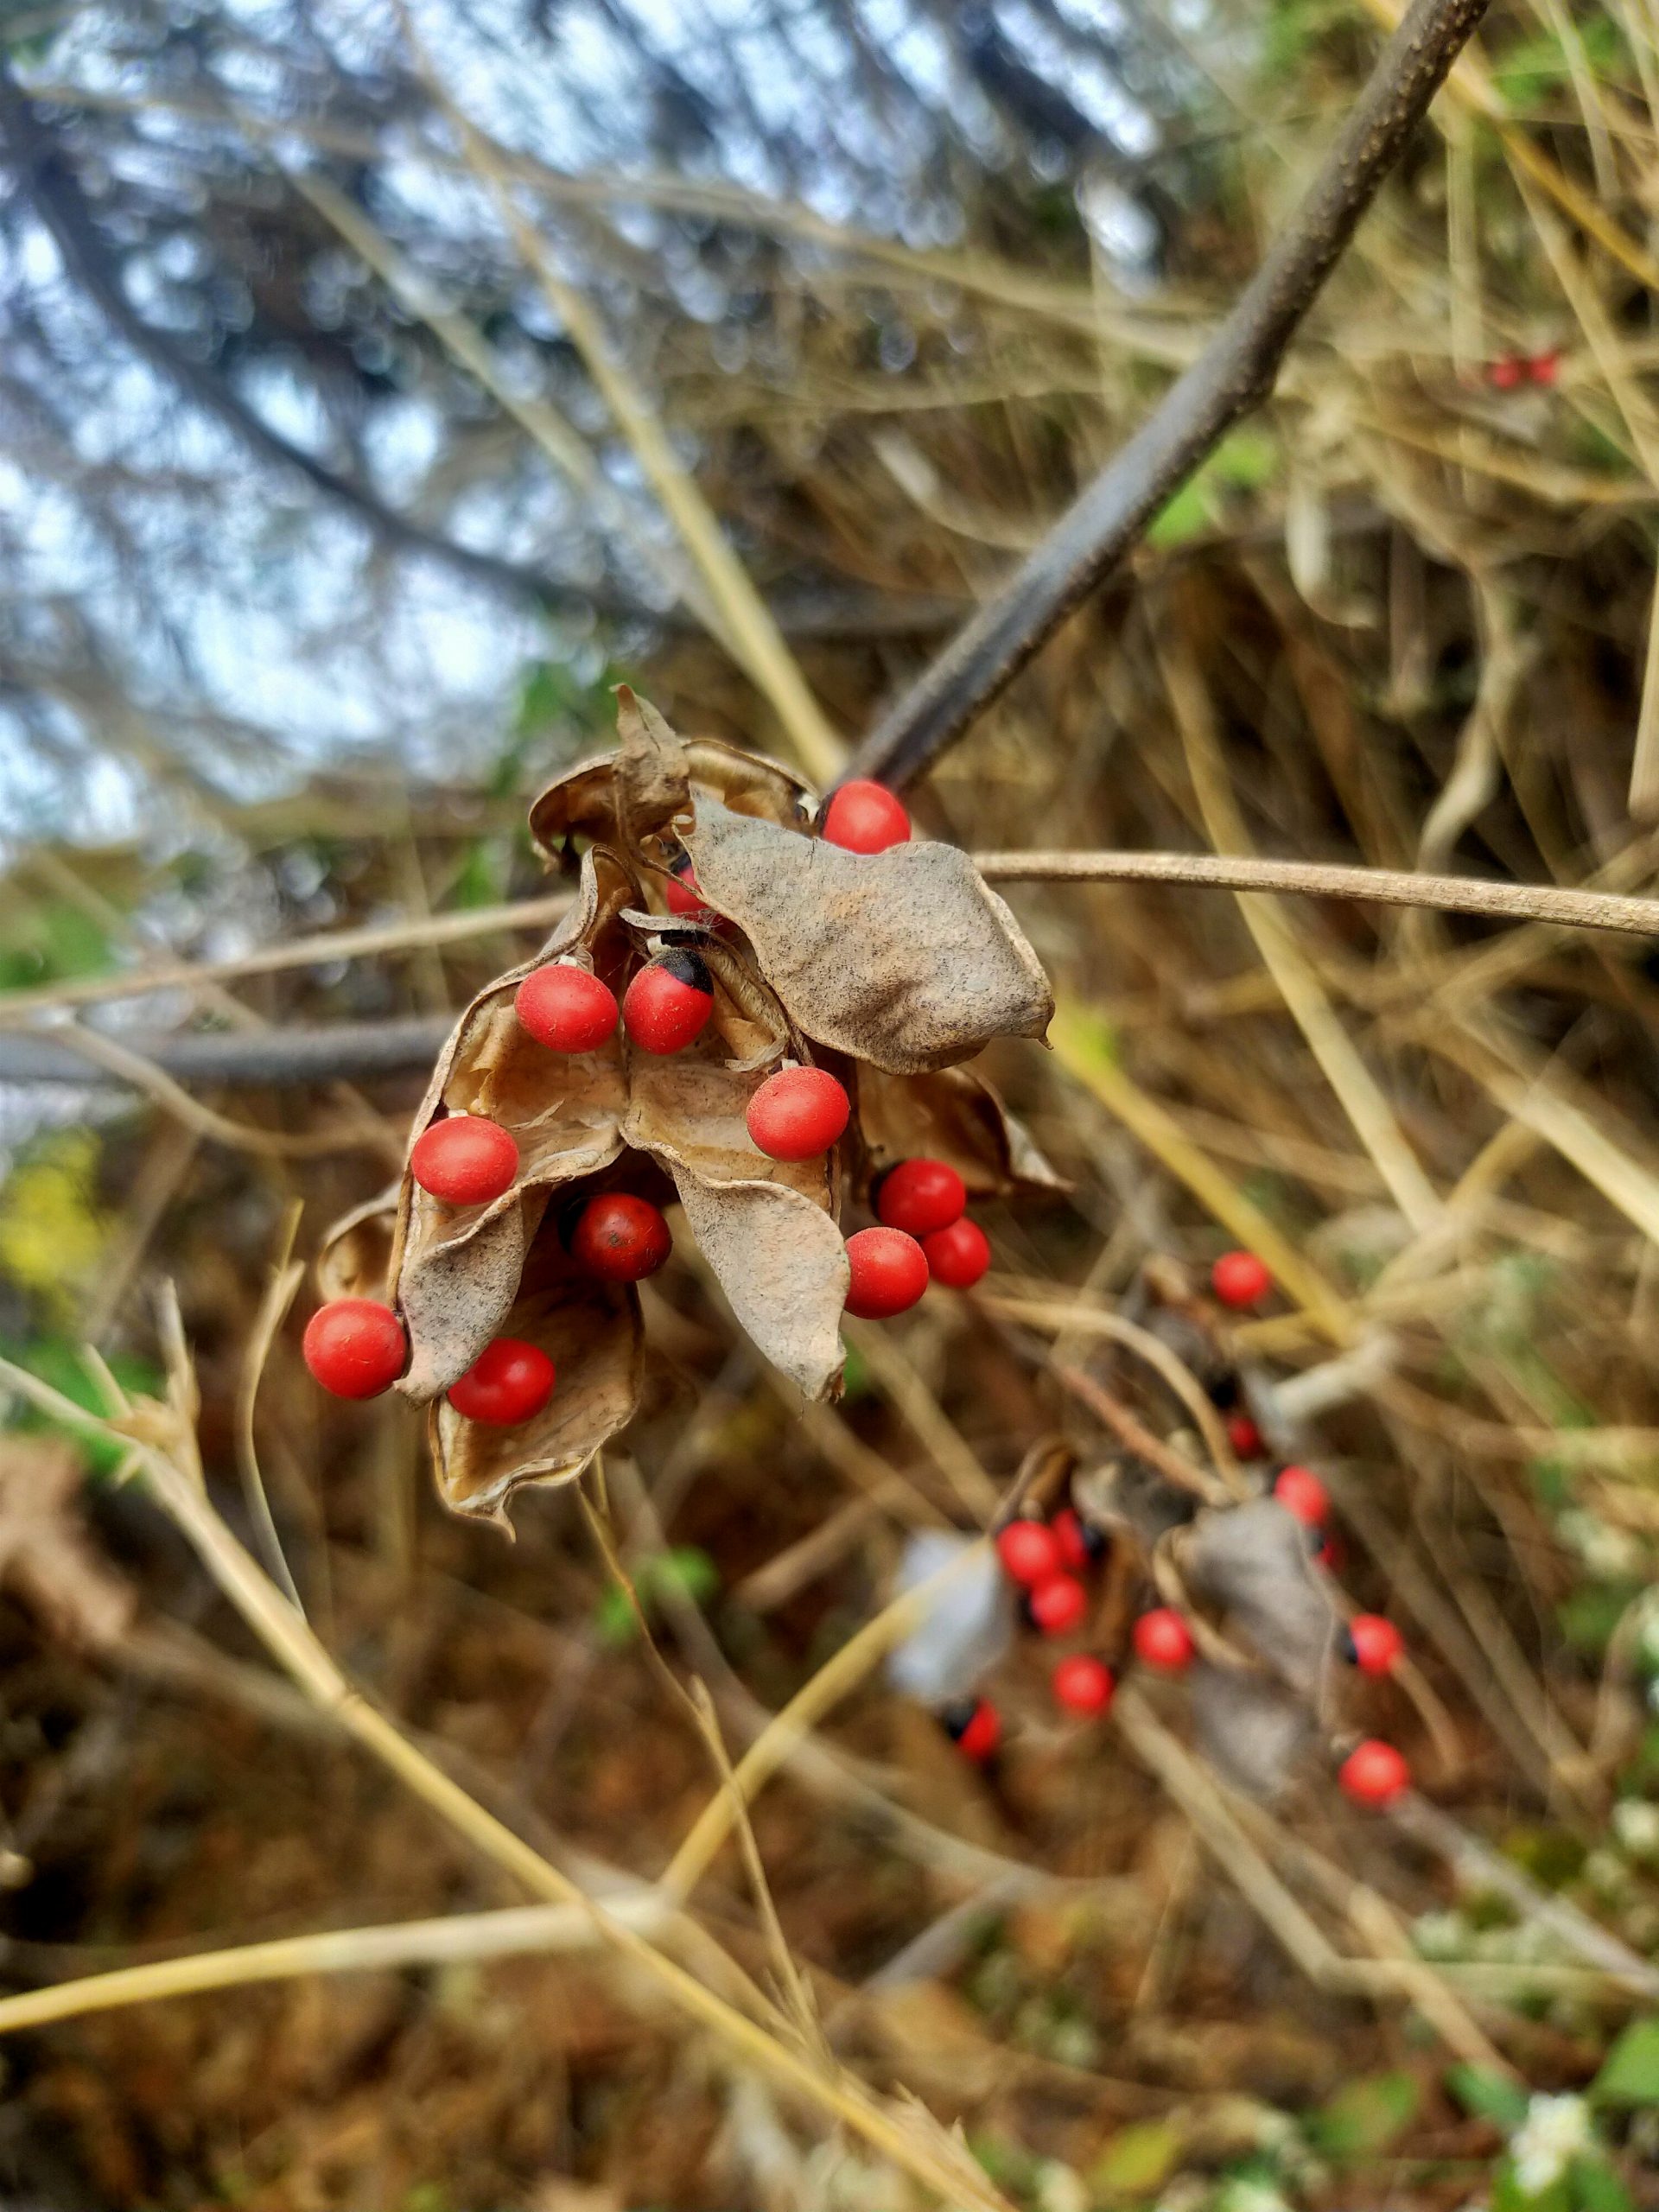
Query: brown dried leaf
{"x": 904, "y": 958}
{"x": 45, "y": 1557}
{"x": 1250, "y": 1562}
{"x": 591, "y": 1331}
{"x": 355, "y": 1259}
{"x": 1251, "y": 1729}
{"x": 584, "y": 802}
{"x": 456, "y": 1268}
{"x": 767, "y": 1227}
{"x": 953, "y": 1115}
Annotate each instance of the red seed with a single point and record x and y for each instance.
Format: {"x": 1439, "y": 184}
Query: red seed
{"x": 1504, "y": 375}
{"x": 1162, "y": 1639}
{"x": 355, "y": 1347}
{"x": 920, "y": 1196}
{"x": 1374, "y": 1773}
{"x": 1245, "y": 1437}
{"x": 668, "y": 1004}
{"x": 508, "y": 1382}
{"x": 959, "y": 1256}
{"x": 1056, "y": 1606}
{"x": 1332, "y": 1555}
{"x": 1240, "y": 1278}
{"x": 1377, "y": 1644}
{"x": 798, "y": 1113}
{"x": 566, "y": 1009}
{"x": 466, "y": 1160}
{"x": 1029, "y": 1551}
{"x": 1082, "y": 1684}
{"x": 1545, "y": 368}
{"x": 681, "y": 894}
{"x": 1302, "y": 1493}
{"x": 1081, "y": 1547}
{"x": 889, "y": 1274}
{"x": 865, "y": 818}
{"x": 621, "y": 1238}
{"x": 977, "y": 1731}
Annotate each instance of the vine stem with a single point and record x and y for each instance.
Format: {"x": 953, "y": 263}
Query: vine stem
{"x": 1383, "y": 887}
{"x": 1235, "y": 371}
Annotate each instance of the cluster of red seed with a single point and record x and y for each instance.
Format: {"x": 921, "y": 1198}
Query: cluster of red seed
{"x": 1513, "y": 370}
{"x": 357, "y": 1347}
{"x": 1047, "y": 1559}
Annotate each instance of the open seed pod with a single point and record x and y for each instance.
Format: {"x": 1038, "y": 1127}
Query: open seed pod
{"x": 886, "y": 968}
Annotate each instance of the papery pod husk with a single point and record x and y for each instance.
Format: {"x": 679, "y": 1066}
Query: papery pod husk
{"x": 954, "y": 1115}
{"x": 1252, "y": 1729}
{"x": 593, "y": 1333}
{"x": 767, "y": 1228}
{"x": 354, "y": 1259}
{"x": 648, "y": 786}
{"x": 904, "y": 958}
{"x": 1249, "y": 1564}
{"x": 456, "y": 1268}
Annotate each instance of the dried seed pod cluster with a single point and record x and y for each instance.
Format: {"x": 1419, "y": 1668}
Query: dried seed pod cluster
{"x": 753, "y": 1009}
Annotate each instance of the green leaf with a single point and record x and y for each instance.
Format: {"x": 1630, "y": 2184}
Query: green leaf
{"x": 1365, "y": 2116}
{"x": 56, "y": 1361}
{"x": 1138, "y": 2159}
{"x": 613, "y": 1618}
{"x": 1597, "y": 2188}
{"x": 1508, "y": 2196}
{"x": 1629, "y": 2073}
{"x": 1486, "y": 2095}
{"x": 688, "y": 1570}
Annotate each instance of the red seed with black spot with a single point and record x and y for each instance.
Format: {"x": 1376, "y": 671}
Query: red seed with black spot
{"x": 668, "y": 1004}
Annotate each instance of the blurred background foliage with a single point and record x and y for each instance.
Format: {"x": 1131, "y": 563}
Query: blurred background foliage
{"x": 324, "y": 538}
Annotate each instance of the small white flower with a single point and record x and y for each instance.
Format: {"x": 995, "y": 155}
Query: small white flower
{"x": 1636, "y": 1823}
{"x": 1553, "y": 2132}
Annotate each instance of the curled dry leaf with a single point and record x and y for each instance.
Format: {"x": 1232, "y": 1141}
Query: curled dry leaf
{"x": 457, "y": 1269}
{"x": 591, "y": 1331}
{"x": 953, "y": 1115}
{"x": 1250, "y": 1728}
{"x": 585, "y": 802}
{"x": 355, "y": 1259}
{"x": 904, "y": 958}
{"x": 1250, "y": 1563}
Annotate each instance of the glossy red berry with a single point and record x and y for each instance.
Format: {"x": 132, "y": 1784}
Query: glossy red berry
{"x": 1029, "y": 1551}
{"x": 566, "y": 1007}
{"x": 1545, "y": 368}
{"x": 1057, "y": 1606}
{"x": 508, "y": 1382}
{"x": 1240, "y": 1278}
{"x": 959, "y": 1256}
{"x": 1081, "y": 1547}
{"x": 975, "y": 1727}
{"x": 466, "y": 1160}
{"x": 1374, "y": 1773}
{"x": 1162, "y": 1639}
{"x": 798, "y": 1113}
{"x": 865, "y": 818}
{"x": 1245, "y": 1437}
{"x": 1082, "y": 1684}
{"x": 355, "y": 1347}
{"x": 1504, "y": 375}
{"x": 668, "y": 1004}
{"x": 1299, "y": 1490}
{"x": 921, "y": 1197}
{"x": 1374, "y": 1644}
{"x": 889, "y": 1274}
{"x": 1332, "y": 1553}
{"x": 621, "y": 1238}
{"x": 682, "y": 895}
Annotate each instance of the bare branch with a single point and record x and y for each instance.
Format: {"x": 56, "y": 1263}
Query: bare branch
{"x": 1235, "y": 372}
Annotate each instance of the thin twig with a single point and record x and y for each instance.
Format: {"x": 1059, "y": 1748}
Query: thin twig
{"x": 1235, "y": 371}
